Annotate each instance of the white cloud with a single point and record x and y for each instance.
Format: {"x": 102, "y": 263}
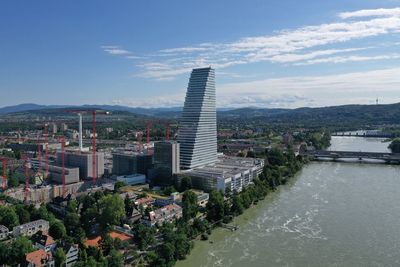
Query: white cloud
{"x": 380, "y": 12}
{"x": 297, "y": 91}
{"x": 115, "y": 50}
{"x": 287, "y": 46}
{"x": 344, "y": 59}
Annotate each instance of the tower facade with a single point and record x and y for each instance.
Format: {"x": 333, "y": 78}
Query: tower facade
{"x": 198, "y": 126}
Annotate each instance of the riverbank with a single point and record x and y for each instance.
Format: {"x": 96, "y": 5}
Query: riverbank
{"x": 329, "y": 214}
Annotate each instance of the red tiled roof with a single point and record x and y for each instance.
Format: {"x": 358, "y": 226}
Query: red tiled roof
{"x": 36, "y": 257}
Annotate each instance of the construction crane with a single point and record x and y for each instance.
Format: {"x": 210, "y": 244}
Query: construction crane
{"x": 4, "y": 165}
{"x": 26, "y": 168}
{"x": 93, "y": 112}
{"x": 64, "y": 191}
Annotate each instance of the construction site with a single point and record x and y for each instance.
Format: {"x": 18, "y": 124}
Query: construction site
{"x": 52, "y": 168}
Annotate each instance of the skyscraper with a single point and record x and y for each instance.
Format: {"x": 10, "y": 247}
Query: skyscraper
{"x": 198, "y": 126}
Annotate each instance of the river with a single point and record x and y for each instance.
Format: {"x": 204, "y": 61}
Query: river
{"x": 330, "y": 214}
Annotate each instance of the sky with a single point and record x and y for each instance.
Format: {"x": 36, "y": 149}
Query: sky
{"x": 267, "y": 54}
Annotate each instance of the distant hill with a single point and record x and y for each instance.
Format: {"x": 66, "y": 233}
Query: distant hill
{"x": 143, "y": 111}
{"x": 346, "y": 115}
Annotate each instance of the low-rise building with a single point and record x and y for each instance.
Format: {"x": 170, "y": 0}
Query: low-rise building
{"x": 71, "y": 254}
{"x": 227, "y": 174}
{"x": 71, "y": 174}
{"x": 132, "y": 179}
{"x": 31, "y": 228}
{"x": 144, "y": 201}
{"x": 3, "y": 232}
{"x": 44, "y": 241}
{"x": 162, "y": 215}
{"x": 39, "y": 258}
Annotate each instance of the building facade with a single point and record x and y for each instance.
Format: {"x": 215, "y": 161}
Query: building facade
{"x": 198, "y": 126}
{"x": 83, "y": 161}
{"x": 130, "y": 163}
{"x": 229, "y": 174}
{"x": 31, "y": 228}
{"x": 71, "y": 174}
{"x": 166, "y": 160}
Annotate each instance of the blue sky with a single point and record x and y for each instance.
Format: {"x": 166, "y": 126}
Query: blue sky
{"x": 139, "y": 53}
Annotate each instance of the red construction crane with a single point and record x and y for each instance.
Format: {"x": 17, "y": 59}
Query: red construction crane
{"x": 4, "y": 163}
{"x": 64, "y": 191}
{"x": 94, "y": 148}
{"x": 46, "y": 140}
{"x": 26, "y": 177}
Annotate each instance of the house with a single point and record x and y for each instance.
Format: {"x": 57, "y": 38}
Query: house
{"x": 31, "y": 228}
{"x": 39, "y": 258}
{"x": 71, "y": 254}
{"x": 44, "y": 241}
{"x": 144, "y": 201}
{"x": 3, "y": 232}
{"x": 135, "y": 216}
{"x": 167, "y": 213}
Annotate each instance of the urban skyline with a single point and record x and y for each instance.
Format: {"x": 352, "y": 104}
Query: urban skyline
{"x": 89, "y": 55}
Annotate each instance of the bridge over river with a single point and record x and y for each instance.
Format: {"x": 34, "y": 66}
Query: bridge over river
{"x": 392, "y": 158}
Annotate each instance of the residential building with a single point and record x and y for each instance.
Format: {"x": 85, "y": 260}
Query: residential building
{"x": 198, "y": 127}
{"x": 39, "y": 258}
{"x": 83, "y": 160}
{"x": 162, "y": 215}
{"x": 166, "y": 160}
{"x": 44, "y": 241}
{"x": 3, "y": 232}
{"x": 31, "y": 228}
{"x": 71, "y": 254}
{"x": 145, "y": 201}
{"x": 125, "y": 163}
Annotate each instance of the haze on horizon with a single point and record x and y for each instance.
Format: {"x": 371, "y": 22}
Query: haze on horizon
{"x": 266, "y": 54}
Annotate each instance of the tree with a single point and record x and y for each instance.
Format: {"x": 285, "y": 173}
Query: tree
{"x": 115, "y": 259}
{"x": 237, "y": 206}
{"x": 186, "y": 183}
{"x": 144, "y": 236}
{"x": 8, "y": 217}
{"x": 72, "y": 206}
{"x": 215, "y": 206}
{"x": 23, "y": 214}
{"x": 395, "y": 146}
{"x": 112, "y": 210}
{"x": 60, "y": 257}
{"x": 167, "y": 252}
{"x": 182, "y": 247}
{"x": 107, "y": 243}
{"x": 57, "y": 230}
{"x": 129, "y": 206}
{"x": 118, "y": 185}
{"x": 189, "y": 205}
{"x": 88, "y": 218}
{"x": 276, "y": 157}
{"x": 18, "y": 249}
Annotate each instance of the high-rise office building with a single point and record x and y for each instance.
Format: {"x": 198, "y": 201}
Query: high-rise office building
{"x": 166, "y": 160}
{"x": 198, "y": 126}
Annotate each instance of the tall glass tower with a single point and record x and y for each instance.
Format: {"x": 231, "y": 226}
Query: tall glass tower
{"x": 198, "y": 126}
